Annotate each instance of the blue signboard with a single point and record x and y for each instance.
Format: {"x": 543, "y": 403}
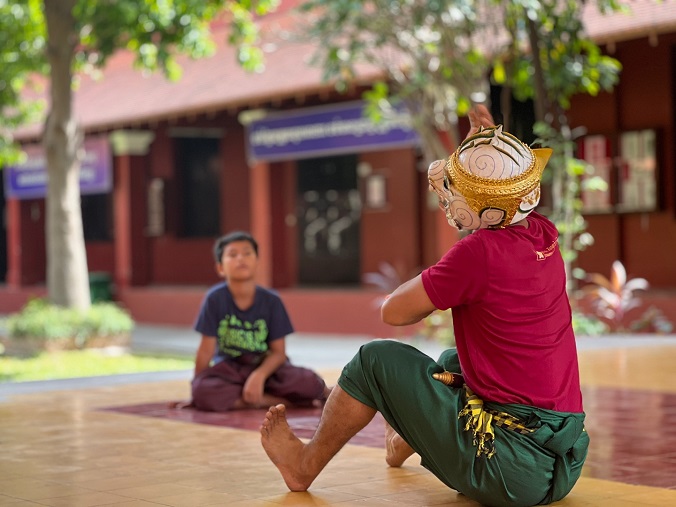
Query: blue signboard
{"x": 323, "y": 131}
{"x": 29, "y": 179}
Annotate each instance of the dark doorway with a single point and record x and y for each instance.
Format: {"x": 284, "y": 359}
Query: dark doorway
{"x": 199, "y": 166}
{"x": 329, "y": 214}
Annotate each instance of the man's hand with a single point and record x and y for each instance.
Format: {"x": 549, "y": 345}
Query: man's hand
{"x": 479, "y": 116}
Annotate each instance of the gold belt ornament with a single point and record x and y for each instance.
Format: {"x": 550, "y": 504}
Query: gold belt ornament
{"x": 481, "y": 420}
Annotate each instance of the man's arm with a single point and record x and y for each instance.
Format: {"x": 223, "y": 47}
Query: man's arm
{"x": 408, "y": 304}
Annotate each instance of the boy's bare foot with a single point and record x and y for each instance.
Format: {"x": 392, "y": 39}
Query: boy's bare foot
{"x": 319, "y": 403}
{"x": 284, "y": 449}
{"x": 181, "y": 404}
{"x": 398, "y": 450}
{"x": 267, "y": 400}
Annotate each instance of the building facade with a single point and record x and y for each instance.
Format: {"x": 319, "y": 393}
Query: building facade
{"x": 330, "y": 197}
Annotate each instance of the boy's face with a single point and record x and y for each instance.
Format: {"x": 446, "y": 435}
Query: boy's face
{"x": 238, "y": 262}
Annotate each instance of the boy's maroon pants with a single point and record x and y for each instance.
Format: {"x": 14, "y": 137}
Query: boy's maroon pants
{"x": 217, "y": 388}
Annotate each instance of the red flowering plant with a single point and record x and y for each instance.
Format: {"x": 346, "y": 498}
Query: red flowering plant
{"x": 612, "y": 298}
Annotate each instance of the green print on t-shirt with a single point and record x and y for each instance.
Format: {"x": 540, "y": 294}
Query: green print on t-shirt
{"x": 235, "y": 336}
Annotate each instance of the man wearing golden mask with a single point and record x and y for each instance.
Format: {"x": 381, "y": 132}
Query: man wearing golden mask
{"x": 500, "y": 418}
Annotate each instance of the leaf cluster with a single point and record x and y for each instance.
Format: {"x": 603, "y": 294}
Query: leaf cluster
{"x": 613, "y": 297}
{"x": 154, "y": 30}
{"x": 437, "y": 56}
{"x": 22, "y": 43}
{"x": 158, "y": 30}
{"x": 552, "y": 32}
{"x": 40, "y": 319}
{"x": 426, "y": 52}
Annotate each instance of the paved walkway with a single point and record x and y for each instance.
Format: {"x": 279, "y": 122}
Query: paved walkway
{"x": 319, "y": 351}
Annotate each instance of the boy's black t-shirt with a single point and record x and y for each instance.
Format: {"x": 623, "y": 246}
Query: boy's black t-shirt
{"x": 242, "y": 334}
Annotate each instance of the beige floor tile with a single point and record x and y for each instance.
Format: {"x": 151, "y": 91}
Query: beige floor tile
{"x": 153, "y": 492}
{"x": 200, "y": 499}
{"x": 93, "y": 499}
{"x": 85, "y": 457}
{"x": 319, "y": 497}
{"x": 30, "y": 489}
{"x": 16, "y": 502}
{"x": 649, "y": 368}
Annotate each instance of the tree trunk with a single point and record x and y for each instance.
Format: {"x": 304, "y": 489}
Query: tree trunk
{"x": 67, "y": 273}
{"x": 541, "y": 98}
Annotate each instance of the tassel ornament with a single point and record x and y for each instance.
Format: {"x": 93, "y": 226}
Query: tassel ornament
{"x": 450, "y": 379}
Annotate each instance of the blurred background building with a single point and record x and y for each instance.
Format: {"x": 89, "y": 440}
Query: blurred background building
{"x": 330, "y": 197}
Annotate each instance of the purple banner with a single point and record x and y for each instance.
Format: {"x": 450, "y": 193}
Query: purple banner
{"x": 322, "y": 131}
{"x": 29, "y": 179}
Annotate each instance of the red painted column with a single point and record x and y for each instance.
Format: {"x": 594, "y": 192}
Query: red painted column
{"x": 13, "y": 210}
{"x": 261, "y": 219}
{"x": 446, "y": 235}
{"x": 122, "y": 222}
{"x": 125, "y": 143}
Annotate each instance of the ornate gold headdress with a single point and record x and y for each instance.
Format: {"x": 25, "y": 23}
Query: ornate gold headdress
{"x": 493, "y": 170}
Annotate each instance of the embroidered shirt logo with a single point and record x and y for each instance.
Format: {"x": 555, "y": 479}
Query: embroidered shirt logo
{"x": 547, "y": 252}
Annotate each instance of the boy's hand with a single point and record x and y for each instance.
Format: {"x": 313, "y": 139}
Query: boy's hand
{"x": 252, "y": 393}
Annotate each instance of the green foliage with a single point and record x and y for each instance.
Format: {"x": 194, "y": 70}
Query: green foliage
{"x": 570, "y": 62}
{"x": 439, "y": 326}
{"x": 156, "y": 31}
{"x": 428, "y": 53}
{"x": 564, "y": 173}
{"x": 436, "y": 56}
{"x": 84, "y": 363}
{"x": 652, "y": 320}
{"x": 39, "y": 319}
{"x": 22, "y": 44}
{"x": 81, "y": 35}
{"x": 588, "y": 325}
{"x": 562, "y": 62}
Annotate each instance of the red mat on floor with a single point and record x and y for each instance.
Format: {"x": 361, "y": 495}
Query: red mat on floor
{"x": 303, "y": 421}
{"x": 633, "y": 433}
{"x": 632, "y": 436}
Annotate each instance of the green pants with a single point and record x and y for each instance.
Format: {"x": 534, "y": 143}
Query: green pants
{"x": 537, "y": 468}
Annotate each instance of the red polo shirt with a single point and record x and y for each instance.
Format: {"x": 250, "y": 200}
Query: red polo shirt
{"x": 511, "y": 315}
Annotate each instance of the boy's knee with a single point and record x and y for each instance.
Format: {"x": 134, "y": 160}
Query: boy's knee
{"x": 212, "y": 394}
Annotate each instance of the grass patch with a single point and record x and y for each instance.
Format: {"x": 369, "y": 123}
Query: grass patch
{"x": 84, "y": 363}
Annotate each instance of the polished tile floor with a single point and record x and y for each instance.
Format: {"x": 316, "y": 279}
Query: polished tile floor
{"x": 117, "y": 445}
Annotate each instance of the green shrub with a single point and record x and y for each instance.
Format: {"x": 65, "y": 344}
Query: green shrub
{"x": 439, "y": 326}
{"x": 587, "y": 325}
{"x": 42, "y": 320}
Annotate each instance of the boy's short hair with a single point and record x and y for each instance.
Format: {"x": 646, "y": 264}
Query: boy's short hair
{"x": 231, "y": 237}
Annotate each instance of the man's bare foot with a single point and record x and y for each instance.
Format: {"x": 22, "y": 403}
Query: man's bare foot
{"x": 284, "y": 449}
{"x": 398, "y": 450}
